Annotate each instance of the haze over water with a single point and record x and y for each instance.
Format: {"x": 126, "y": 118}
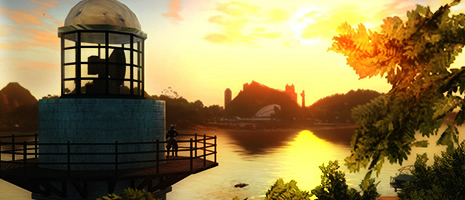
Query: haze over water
{"x": 259, "y": 158}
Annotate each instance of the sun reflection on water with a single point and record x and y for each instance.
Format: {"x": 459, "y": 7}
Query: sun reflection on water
{"x": 303, "y": 157}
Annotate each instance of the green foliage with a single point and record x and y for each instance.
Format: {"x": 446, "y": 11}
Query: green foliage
{"x": 333, "y": 186}
{"x": 130, "y": 194}
{"x": 415, "y": 57}
{"x": 181, "y": 111}
{"x": 286, "y": 191}
{"x": 441, "y": 181}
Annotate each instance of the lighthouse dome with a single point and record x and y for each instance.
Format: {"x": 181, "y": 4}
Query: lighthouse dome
{"x": 102, "y": 12}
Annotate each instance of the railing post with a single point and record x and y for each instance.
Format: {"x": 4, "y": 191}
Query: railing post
{"x": 215, "y": 148}
{"x": 116, "y": 159}
{"x": 191, "y": 159}
{"x": 204, "y": 150}
{"x": 13, "y": 147}
{"x": 25, "y": 157}
{"x": 1, "y": 156}
{"x": 36, "y": 148}
{"x": 196, "y": 145}
{"x": 158, "y": 155}
{"x": 68, "y": 145}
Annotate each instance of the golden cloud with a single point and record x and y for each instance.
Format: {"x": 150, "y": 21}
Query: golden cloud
{"x": 47, "y": 3}
{"x": 244, "y": 23}
{"x": 21, "y": 17}
{"x": 320, "y": 24}
{"x": 174, "y": 9}
{"x": 32, "y": 27}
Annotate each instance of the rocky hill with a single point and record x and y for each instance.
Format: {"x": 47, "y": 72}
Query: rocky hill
{"x": 19, "y": 110}
{"x": 14, "y": 95}
{"x": 257, "y": 96}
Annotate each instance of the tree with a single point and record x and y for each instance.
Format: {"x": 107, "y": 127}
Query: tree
{"x": 441, "y": 181}
{"x": 333, "y": 185}
{"x": 281, "y": 190}
{"x": 415, "y": 57}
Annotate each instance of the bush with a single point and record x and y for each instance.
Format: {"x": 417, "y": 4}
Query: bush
{"x": 443, "y": 180}
{"x": 130, "y": 194}
{"x": 334, "y": 187}
{"x": 281, "y": 190}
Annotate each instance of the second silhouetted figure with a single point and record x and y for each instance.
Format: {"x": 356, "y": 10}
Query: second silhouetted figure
{"x": 171, "y": 141}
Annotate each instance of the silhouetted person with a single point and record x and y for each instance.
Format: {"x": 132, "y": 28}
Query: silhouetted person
{"x": 171, "y": 139}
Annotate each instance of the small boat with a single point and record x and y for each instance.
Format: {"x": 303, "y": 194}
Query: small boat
{"x": 405, "y": 175}
{"x": 241, "y": 185}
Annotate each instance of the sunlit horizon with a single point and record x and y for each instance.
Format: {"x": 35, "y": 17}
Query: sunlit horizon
{"x": 200, "y": 49}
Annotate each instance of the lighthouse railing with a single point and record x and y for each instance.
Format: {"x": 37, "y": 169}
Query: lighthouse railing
{"x": 23, "y": 151}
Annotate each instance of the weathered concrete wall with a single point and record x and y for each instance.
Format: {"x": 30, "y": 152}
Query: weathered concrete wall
{"x": 100, "y": 121}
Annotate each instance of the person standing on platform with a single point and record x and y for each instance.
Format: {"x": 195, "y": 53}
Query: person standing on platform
{"x": 171, "y": 141}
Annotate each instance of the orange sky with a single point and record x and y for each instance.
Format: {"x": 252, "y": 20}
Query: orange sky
{"x": 201, "y": 47}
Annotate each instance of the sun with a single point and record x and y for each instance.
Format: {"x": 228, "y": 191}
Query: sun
{"x": 302, "y": 19}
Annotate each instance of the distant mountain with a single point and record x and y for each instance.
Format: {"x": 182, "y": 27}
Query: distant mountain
{"x": 14, "y": 95}
{"x": 337, "y": 107}
{"x": 19, "y": 110}
{"x": 256, "y": 96}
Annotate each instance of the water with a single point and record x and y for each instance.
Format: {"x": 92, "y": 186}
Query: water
{"x": 259, "y": 158}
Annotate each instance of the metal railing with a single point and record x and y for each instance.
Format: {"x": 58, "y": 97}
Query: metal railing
{"x": 197, "y": 146}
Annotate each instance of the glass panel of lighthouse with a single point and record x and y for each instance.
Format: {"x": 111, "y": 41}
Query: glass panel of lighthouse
{"x": 91, "y": 55}
{"x": 127, "y": 87}
{"x": 136, "y": 58}
{"x": 70, "y": 55}
{"x": 70, "y": 40}
{"x": 92, "y": 39}
{"x": 88, "y": 73}
{"x": 136, "y": 88}
{"x": 70, "y": 71}
{"x": 70, "y": 87}
{"x": 128, "y": 72}
{"x": 136, "y": 71}
{"x": 116, "y": 39}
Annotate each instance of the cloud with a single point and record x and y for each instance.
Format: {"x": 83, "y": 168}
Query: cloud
{"x": 174, "y": 9}
{"x": 21, "y": 17}
{"x": 31, "y": 27}
{"x": 276, "y": 15}
{"x": 323, "y": 24}
{"x": 47, "y": 3}
{"x": 245, "y": 24}
{"x": 237, "y": 9}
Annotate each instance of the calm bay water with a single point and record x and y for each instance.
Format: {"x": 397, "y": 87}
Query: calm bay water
{"x": 259, "y": 158}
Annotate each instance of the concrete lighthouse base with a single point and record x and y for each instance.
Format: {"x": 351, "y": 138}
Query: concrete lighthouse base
{"x": 87, "y": 121}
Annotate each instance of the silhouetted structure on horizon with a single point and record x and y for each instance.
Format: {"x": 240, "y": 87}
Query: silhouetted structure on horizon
{"x": 227, "y": 97}
{"x": 290, "y": 90}
{"x": 303, "y": 98}
{"x": 256, "y": 96}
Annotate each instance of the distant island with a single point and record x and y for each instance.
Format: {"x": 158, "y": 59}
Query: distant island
{"x": 19, "y": 108}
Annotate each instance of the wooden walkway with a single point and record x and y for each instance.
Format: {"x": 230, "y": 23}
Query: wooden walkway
{"x": 172, "y": 166}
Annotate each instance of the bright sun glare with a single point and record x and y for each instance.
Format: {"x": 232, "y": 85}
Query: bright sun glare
{"x": 302, "y": 19}
{"x": 307, "y": 153}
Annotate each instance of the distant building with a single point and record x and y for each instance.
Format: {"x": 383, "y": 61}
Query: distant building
{"x": 227, "y": 97}
{"x": 290, "y": 90}
{"x": 303, "y": 98}
{"x": 268, "y": 111}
